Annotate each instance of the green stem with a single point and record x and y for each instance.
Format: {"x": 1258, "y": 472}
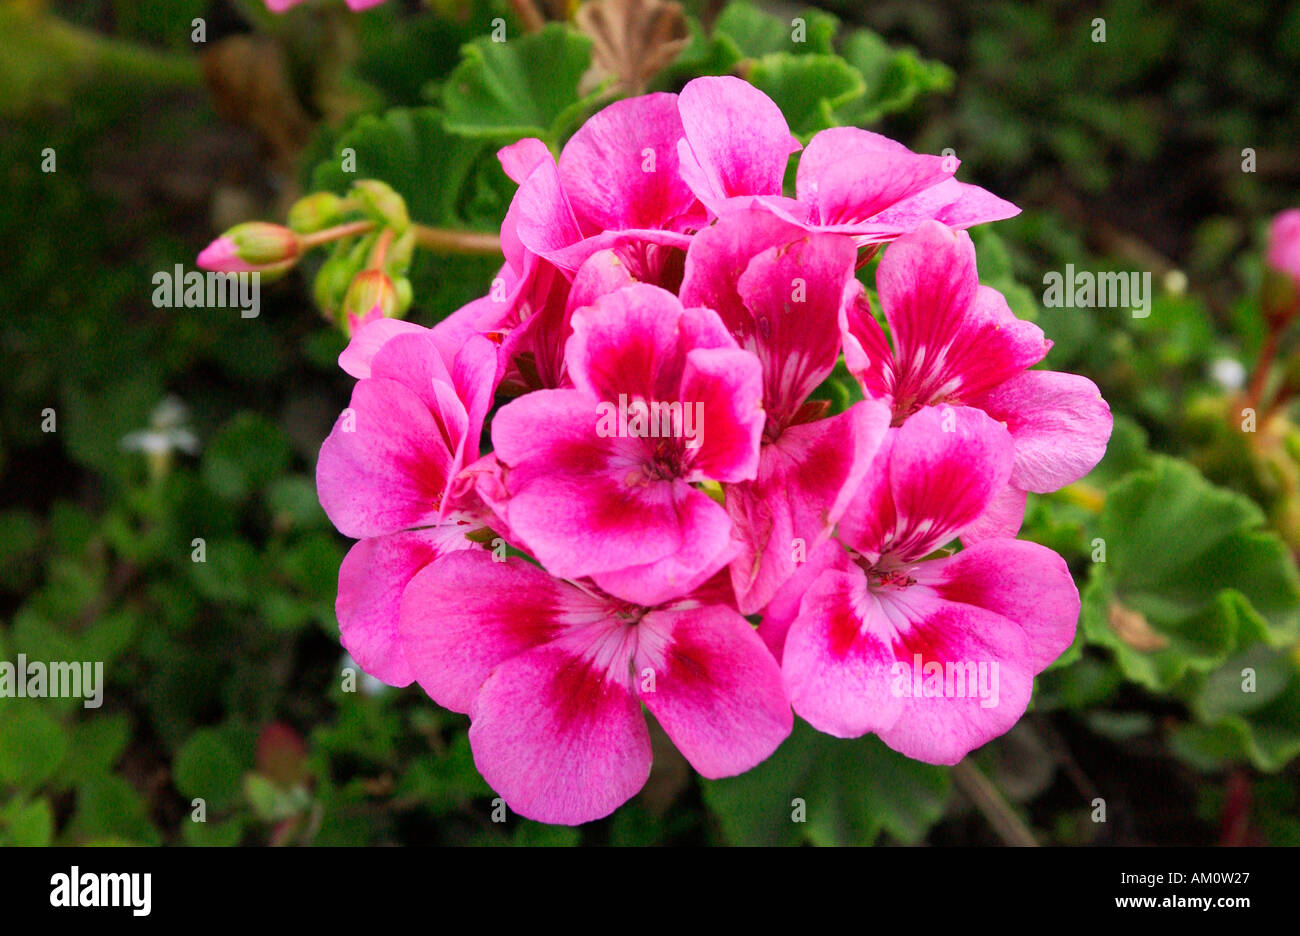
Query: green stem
{"x": 443, "y": 240}
{"x": 981, "y": 791}
{"x": 338, "y": 232}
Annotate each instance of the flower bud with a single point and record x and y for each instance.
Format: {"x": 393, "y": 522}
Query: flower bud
{"x": 1284, "y": 244}
{"x": 251, "y": 248}
{"x": 398, "y": 260}
{"x": 381, "y": 204}
{"x": 1280, "y": 292}
{"x": 315, "y": 212}
{"x": 371, "y": 289}
{"x": 404, "y": 294}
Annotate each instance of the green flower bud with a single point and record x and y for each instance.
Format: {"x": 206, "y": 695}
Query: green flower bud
{"x": 316, "y": 212}
{"x": 370, "y": 288}
{"x": 379, "y": 202}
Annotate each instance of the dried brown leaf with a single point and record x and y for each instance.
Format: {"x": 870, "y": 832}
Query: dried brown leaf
{"x": 633, "y": 40}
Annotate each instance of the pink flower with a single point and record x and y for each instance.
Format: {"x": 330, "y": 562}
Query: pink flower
{"x": 553, "y": 675}
{"x": 616, "y": 185}
{"x": 736, "y": 141}
{"x": 935, "y": 655}
{"x": 529, "y": 306}
{"x": 849, "y": 181}
{"x": 780, "y": 291}
{"x": 390, "y": 474}
{"x": 252, "y": 247}
{"x": 957, "y": 342}
{"x": 856, "y": 182}
{"x": 1284, "y": 244}
{"x": 598, "y": 478}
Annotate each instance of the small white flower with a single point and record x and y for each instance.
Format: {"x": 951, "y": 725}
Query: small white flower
{"x": 167, "y": 431}
{"x": 1228, "y": 373}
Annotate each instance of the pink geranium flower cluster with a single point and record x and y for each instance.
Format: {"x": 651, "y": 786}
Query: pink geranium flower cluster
{"x": 662, "y": 469}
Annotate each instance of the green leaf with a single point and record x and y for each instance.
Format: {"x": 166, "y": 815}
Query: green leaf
{"x": 995, "y": 271}
{"x": 1247, "y": 710}
{"x": 527, "y": 86}
{"x": 226, "y": 834}
{"x": 851, "y": 790}
{"x": 537, "y": 834}
{"x": 704, "y": 54}
{"x": 757, "y": 33}
{"x": 445, "y": 782}
{"x": 207, "y": 768}
{"x": 109, "y": 808}
{"x": 33, "y": 743}
{"x": 1190, "y": 577}
{"x": 27, "y": 822}
{"x": 892, "y": 78}
{"x": 246, "y": 454}
{"x": 294, "y": 503}
{"x": 97, "y": 743}
{"x": 807, "y": 88}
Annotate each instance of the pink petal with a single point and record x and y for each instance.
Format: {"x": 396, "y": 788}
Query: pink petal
{"x": 806, "y": 479}
{"x": 724, "y": 388}
{"x": 953, "y": 338}
{"x": 627, "y": 342}
{"x": 1023, "y": 582}
{"x": 783, "y": 609}
{"x": 950, "y": 718}
{"x": 368, "y": 339}
{"x": 866, "y": 350}
{"x": 837, "y": 659}
{"x": 794, "y": 294}
{"x": 1284, "y": 243}
{"x": 386, "y": 465}
{"x": 458, "y": 393}
{"x": 535, "y": 325}
{"x": 935, "y": 475}
{"x": 849, "y": 175}
{"x": 1002, "y": 518}
{"x": 1059, "y": 422}
{"x": 559, "y": 737}
{"x": 706, "y": 548}
{"x": 543, "y": 218}
{"x": 585, "y": 504}
{"x": 737, "y": 141}
{"x": 601, "y": 273}
{"x": 519, "y": 159}
{"x": 717, "y": 691}
{"x": 973, "y": 206}
{"x": 414, "y": 361}
{"x": 371, "y": 581}
{"x": 620, "y": 168}
{"x": 467, "y": 613}
{"x": 718, "y": 256}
